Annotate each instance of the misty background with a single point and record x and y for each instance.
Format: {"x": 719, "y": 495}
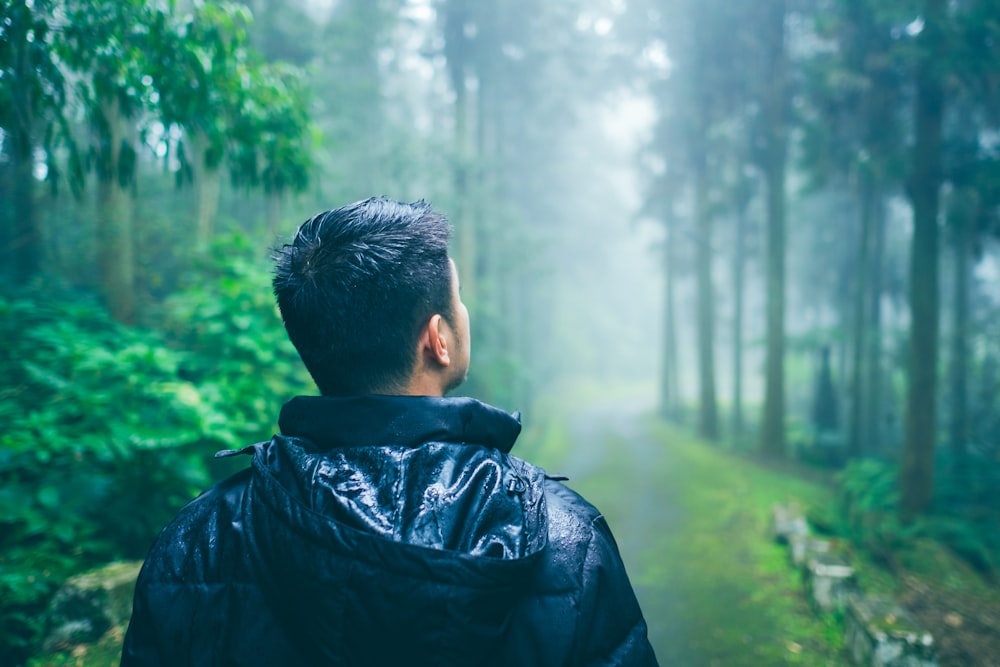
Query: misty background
{"x": 768, "y": 228}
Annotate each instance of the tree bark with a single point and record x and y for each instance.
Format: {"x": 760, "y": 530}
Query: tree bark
{"x": 917, "y": 464}
{"x": 772, "y": 433}
{"x": 856, "y": 446}
{"x": 115, "y": 254}
{"x": 669, "y": 389}
{"x": 208, "y": 186}
{"x": 25, "y": 245}
{"x": 873, "y": 425}
{"x": 274, "y": 212}
{"x": 739, "y": 270}
{"x": 457, "y": 55}
{"x": 959, "y": 367}
{"x": 708, "y": 418}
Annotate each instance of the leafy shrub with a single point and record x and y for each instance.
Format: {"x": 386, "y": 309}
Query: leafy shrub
{"x": 108, "y": 430}
{"x": 84, "y": 401}
{"x": 868, "y": 492}
{"x": 239, "y": 354}
{"x": 869, "y": 497}
{"x": 968, "y": 518}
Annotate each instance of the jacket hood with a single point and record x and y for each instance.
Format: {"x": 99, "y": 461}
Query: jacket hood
{"x": 408, "y": 421}
{"x": 402, "y": 514}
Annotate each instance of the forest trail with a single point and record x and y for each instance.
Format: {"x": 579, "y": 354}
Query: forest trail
{"x": 706, "y": 596}
{"x": 617, "y": 465}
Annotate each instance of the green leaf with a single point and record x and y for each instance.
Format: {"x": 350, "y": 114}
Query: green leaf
{"x": 48, "y": 497}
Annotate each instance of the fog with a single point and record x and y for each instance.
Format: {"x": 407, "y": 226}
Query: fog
{"x": 718, "y": 254}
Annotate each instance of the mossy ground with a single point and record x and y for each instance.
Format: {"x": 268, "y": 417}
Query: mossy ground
{"x": 105, "y": 652}
{"x": 692, "y": 523}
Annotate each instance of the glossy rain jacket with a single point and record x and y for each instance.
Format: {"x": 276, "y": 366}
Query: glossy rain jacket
{"x": 387, "y": 531}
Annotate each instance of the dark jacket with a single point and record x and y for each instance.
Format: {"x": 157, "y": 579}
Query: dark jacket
{"x": 387, "y": 531}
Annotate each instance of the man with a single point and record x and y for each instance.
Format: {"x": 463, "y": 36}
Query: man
{"x": 386, "y": 525}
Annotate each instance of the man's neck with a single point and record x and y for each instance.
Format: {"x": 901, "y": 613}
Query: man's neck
{"x": 423, "y": 384}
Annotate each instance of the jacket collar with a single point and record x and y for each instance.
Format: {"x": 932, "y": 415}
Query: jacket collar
{"x": 364, "y": 421}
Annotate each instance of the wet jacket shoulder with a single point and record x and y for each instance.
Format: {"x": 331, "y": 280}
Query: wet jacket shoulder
{"x": 583, "y": 607}
{"x": 386, "y": 531}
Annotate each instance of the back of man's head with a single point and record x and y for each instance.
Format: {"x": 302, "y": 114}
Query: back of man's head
{"x": 356, "y": 285}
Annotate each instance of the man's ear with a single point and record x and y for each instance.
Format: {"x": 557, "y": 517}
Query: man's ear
{"x": 435, "y": 340}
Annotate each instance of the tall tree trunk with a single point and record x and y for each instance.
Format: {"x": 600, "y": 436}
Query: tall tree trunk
{"x": 708, "y": 418}
{"x": 371, "y": 162}
{"x": 846, "y": 217}
{"x": 464, "y": 216}
{"x": 959, "y": 367}
{"x": 870, "y": 51}
{"x": 208, "y": 186}
{"x": 25, "y": 246}
{"x": 457, "y": 45}
{"x": 485, "y": 111}
{"x": 772, "y": 433}
{"x": 739, "y": 266}
{"x": 669, "y": 389}
{"x": 856, "y": 446}
{"x": 115, "y": 253}
{"x": 873, "y": 426}
{"x": 917, "y": 464}
{"x": 274, "y": 212}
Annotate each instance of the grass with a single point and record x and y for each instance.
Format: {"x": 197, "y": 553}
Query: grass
{"x": 692, "y": 521}
{"x": 715, "y": 589}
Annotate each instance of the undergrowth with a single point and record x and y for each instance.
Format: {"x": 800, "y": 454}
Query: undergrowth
{"x": 692, "y": 522}
{"x": 109, "y": 430}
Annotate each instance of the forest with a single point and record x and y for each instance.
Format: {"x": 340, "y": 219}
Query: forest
{"x": 769, "y": 227}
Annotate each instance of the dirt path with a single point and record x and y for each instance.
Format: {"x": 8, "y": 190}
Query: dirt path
{"x": 714, "y": 590}
{"x": 617, "y": 466}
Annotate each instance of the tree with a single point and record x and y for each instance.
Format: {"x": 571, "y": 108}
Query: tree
{"x": 111, "y": 65}
{"x": 742, "y": 194}
{"x": 138, "y": 66}
{"x": 917, "y": 467}
{"x": 458, "y": 29}
{"x": 774, "y": 102}
{"x": 272, "y": 136}
{"x": 32, "y": 93}
{"x": 971, "y": 207}
{"x": 665, "y": 187}
{"x": 696, "y": 101}
{"x": 861, "y": 91}
{"x": 523, "y": 73}
{"x": 349, "y": 82}
{"x": 198, "y": 69}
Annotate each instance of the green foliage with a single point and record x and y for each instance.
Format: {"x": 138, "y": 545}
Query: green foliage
{"x": 239, "y": 355}
{"x": 109, "y": 430}
{"x": 869, "y": 498}
{"x": 963, "y": 537}
{"x": 31, "y": 84}
{"x": 96, "y": 450}
{"x": 273, "y": 137}
{"x": 110, "y": 64}
{"x": 232, "y": 105}
{"x": 153, "y": 67}
{"x": 197, "y": 68}
{"x": 868, "y": 491}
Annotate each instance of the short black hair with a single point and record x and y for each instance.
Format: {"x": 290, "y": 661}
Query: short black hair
{"x": 356, "y": 285}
